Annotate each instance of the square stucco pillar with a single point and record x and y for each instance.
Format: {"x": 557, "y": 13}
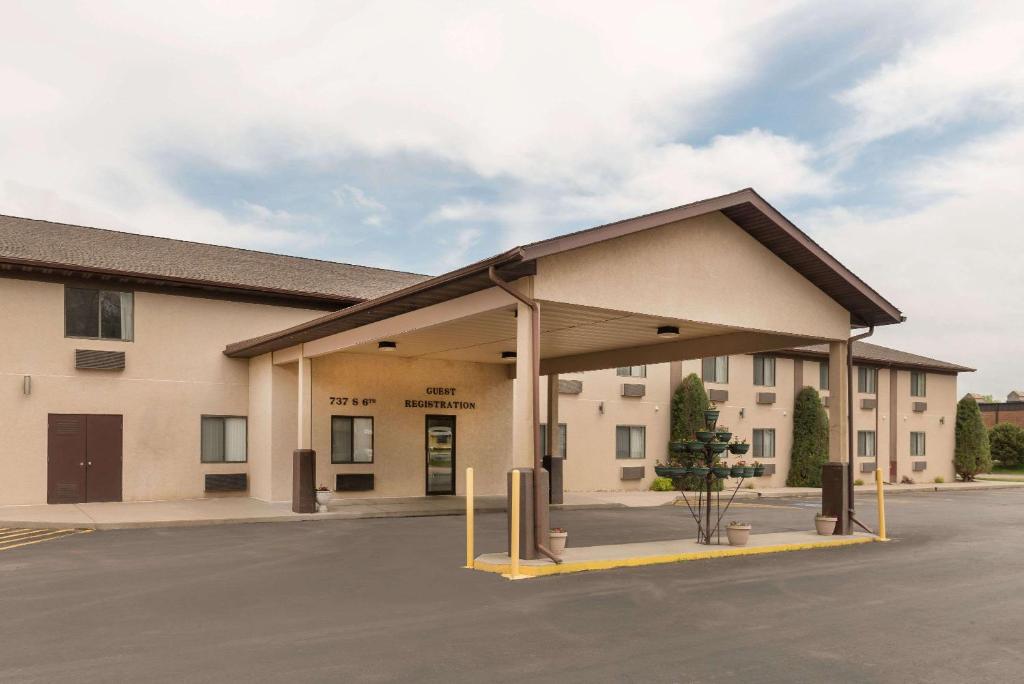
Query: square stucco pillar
{"x": 304, "y": 458}
{"x": 835, "y": 485}
{"x": 552, "y": 457}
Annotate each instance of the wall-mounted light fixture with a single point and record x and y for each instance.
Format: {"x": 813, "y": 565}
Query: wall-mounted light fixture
{"x": 26, "y": 385}
{"x": 387, "y": 346}
{"x": 743, "y": 412}
{"x": 668, "y": 331}
{"x": 600, "y": 407}
{"x": 508, "y": 355}
{"x": 942, "y": 420}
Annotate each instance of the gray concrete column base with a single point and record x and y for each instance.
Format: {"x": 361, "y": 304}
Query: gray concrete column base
{"x": 303, "y": 481}
{"x": 834, "y": 495}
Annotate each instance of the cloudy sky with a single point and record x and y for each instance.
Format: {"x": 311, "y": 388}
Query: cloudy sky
{"x": 421, "y": 136}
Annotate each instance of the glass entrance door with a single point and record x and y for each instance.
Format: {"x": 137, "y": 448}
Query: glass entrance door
{"x": 440, "y": 454}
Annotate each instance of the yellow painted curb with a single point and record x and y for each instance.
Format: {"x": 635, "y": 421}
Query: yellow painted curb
{"x": 637, "y": 561}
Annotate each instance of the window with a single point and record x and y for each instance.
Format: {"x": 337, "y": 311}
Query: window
{"x": 867, "y": 380}
{"x": 223, "y": 439}
{"x": 561, "y": 438}
{"x": 823, "y": 375}
{"x": 630, "y": 441}
{"x": 764, "y": 443}
{"x": 98, "y": 314}
{"x": 866, "y": 443}
{"x": 716, "y": 369}
{"x": 632, "y": 371}
{"x": 351, "y": 439}
{"x": 917, "y": 444}
{"x": 764, "y": 370}
{"x": 918, "y": 383}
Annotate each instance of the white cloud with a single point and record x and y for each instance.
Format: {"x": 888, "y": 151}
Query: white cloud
{"x": 954, "y": 264}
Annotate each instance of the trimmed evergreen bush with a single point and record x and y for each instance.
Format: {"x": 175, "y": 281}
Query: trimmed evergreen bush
{"x": 810, "y": 440}
{"x": 972, "y": 455}
{"x": 1007, "y": 444}
{"x": 688, "y": 404}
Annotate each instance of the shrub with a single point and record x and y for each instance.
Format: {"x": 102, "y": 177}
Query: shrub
{"x": 971, "y": 455}
{"x": 688, "y": 404}
{"x": 662, "y": 484}
{"x": 1007, "y": 444}
{"x": 858, "y": 482}
{"x": 810, "y": 440}
{"x": 939, "y": 479}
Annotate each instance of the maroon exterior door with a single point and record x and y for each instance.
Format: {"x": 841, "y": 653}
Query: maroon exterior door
{"x": 84, "y": 459}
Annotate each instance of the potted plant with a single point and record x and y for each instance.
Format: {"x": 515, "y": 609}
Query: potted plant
{"x": 748, "y": 470}
{"x": 718, "y": 447}
{"x": 711, "y": 415}
{"x": 721, "y": 469}
{"x": 556, "y": 540}
{"x": 739, "y": 446}
{"x": 758, "y": 469}
{"x": 699, "y": 469}
{"x": 738, "y": 533}
{"x": 723, "y": 433}
{"x": 705, "y": 436}
{"x": 825, "y": 524}
{"x": 737, "y": 468}
{"x": 678, "y": 447}
{"x": 663, "y": 470}
{"x": 323, "y": 497}
{"x": 696, "y": 446}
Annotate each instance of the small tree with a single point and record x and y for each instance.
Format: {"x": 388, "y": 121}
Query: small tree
{"x": 810, "y": 440}
{"x": 1007, "y": 444}
{"x": 689, "y": 402}
{"x": 972, "y": 455}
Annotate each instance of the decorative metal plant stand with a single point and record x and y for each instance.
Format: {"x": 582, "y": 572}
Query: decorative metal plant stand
{"x": 706, "y": 452}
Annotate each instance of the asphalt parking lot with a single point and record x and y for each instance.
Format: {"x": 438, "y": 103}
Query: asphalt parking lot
{"x": 386, "y": 600}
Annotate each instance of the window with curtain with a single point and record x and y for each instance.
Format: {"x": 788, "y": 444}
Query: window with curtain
{"x": 917, "y": 444}
{"x": 867, "y": 380}
{"x": 351, "y": 439}
{"x": 918, "y": 383}
{"x": 562, "y": 430}
{"x": 716, "y": 369}
{"x": 632, "y": 371}
{"x": 223, "y": 439}
{"x": 98, "y": 314}
{"x": 764, "y": 370}
{"x": 764, "y": 443}
{"x": 630, "y": 441}
{"x": 866, "y": 443}
{"x": 823, "y": 375}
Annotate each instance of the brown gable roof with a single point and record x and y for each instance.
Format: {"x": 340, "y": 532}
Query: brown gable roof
{"x": 872, "y": 354}
{"x": 33, "y": 244}
{"x": 745, "y": 208}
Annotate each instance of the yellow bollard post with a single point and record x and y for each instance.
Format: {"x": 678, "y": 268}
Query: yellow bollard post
{"x": 470, "y": 510}
{"x": 881, "y": 505}
{"x": 513, "y": 550}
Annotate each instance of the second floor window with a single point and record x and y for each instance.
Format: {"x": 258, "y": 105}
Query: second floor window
{"x": 917, "y": 444}
{"x": 764, "y": 443}
{"x": 715, "y": 369}
{"x": 823, "y": 375}
{"x": 866, "y": 443}
{"x": 561, "y": 439}
{"x": 98, "y": 314}
{"x": 630, "y": 441}
{"x": 867, "y": 380}
{"x": 918, "y": 384}
{"x": 764, "y": 370}
{"x": 632, "y": 371}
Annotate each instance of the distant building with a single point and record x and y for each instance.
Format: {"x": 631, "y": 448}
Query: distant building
{"x": 1009, "y": 411}
{"x": 1015, "y": 395}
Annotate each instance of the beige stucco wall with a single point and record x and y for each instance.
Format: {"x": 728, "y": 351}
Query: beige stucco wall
{"x": 941, "y": 437}
{"x": 483, "y": 434}
{"x": 175, "y": 372}
{"x": 704, "y": 269}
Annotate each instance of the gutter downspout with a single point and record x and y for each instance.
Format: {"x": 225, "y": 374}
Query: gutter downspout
{"x": 538, "y": 498}
{"x": 849, "y": 426}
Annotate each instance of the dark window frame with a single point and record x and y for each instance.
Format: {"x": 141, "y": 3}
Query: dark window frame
{"x": 709, "y": 369}
{"x": 764, "y": 361}
{"x": 629, "y": 371}
{"x": 823, "y": 375}
{"x": 643, "y": 428}
{"x": 210, "y": 416}
{"x": 352, "y": 440}
{"x": 924, "y": 443}
{"x": 863, "y": 373}
{"x": 923, "y": 377}
{"x": 754, "y": 443}
{"x": 862, "y": 445}
{"x": 563, "y": 437}
{"x": 99, "y": 314}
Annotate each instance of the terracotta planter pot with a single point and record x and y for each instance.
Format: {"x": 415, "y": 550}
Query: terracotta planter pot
{"x": 738, "y": 534}
{"x": 825, "y": 524}
{"x": 556, "y": 542}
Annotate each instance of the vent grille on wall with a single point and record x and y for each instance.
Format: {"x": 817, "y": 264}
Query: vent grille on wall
{"x": 920, "y": 465}
{"x": 718, "y": 395}
{"x": 867, "y": 467}
{"x": 570, "y": 386}
{"x": 766, "y": 397}
{"x": 94, "y": 359}
{"x": 632, "y": 473}
{"x": 353, "y": 482}
{"x": 868, "y": 404}
{"x": 633, "y": 390}
{"x": 920, "y": 406}
{"x": 227, "y": 482}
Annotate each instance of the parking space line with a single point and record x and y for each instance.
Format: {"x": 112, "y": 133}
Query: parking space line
{"x": 25, "y": 536}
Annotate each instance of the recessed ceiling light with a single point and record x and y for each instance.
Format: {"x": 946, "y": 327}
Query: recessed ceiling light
{"x": 387, "y": 345}
{"x": 668, "y": 331}
{"x": 508, "y": 355}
